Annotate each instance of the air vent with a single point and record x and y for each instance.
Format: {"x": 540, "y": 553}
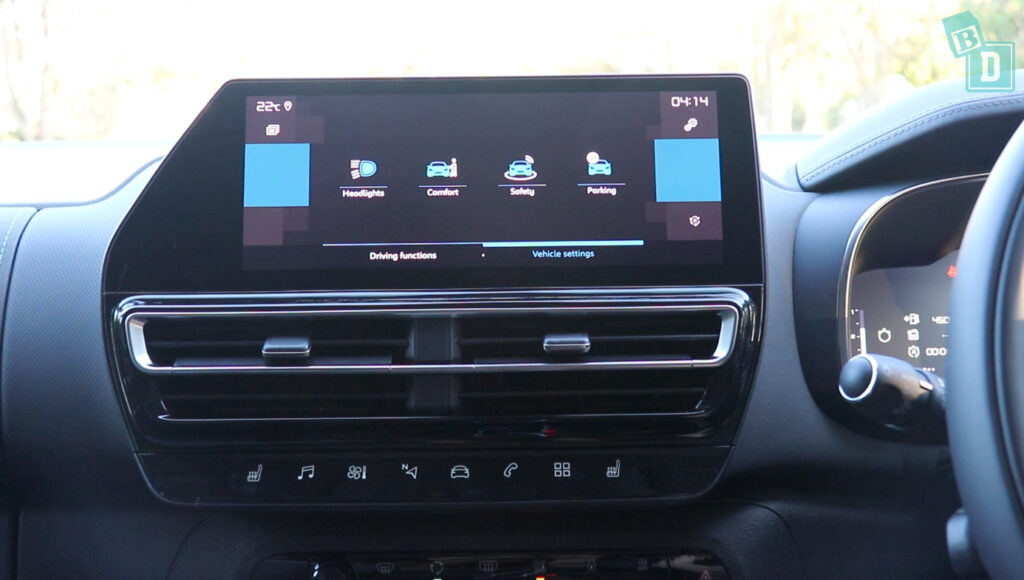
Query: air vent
{"x": 490, "y": 340}
{"x": 280, "y": 396}
{"x": 617, "y": 392}
{"x": 515, "y": 357}
{"x": 237, "y": 342}
{"x": 629, "y": 336}
{"x": 264, "y": 364}
{"x": 640, "y": 338}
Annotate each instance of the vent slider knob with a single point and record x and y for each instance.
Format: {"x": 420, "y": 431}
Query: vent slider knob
{"x": 567, "y": 343}
{"x": 286, "y": 348}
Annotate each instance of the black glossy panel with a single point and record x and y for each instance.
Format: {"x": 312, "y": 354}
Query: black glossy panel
{"x": 185, "y": 233}
{"x": 298, "y": 479}
{"x": 475, "y": 410}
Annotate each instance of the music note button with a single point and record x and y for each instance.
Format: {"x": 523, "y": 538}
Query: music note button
{"x": 307, "y": 472}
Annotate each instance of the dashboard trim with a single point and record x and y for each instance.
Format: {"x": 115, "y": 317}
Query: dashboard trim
{"x": 853, "y": 247}
{"x": 154, "y": 428}
{"x": 728, "y": 310}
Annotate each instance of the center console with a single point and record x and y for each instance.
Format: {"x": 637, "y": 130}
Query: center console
{"x": 445, "y": 292}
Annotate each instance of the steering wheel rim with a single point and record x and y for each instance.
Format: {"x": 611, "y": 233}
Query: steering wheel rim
{"x": 985, "y": 395}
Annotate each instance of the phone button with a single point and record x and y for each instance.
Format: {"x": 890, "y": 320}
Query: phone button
{"x": 510, "y": 469}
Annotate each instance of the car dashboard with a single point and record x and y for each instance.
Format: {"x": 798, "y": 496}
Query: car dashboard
{"x": 489, "y": 328}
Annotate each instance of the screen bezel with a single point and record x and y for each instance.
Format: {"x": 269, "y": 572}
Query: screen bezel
{"x": 165, "y": 246}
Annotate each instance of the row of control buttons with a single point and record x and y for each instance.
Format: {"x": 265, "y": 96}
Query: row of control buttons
{"x": 327, "y": 479}
{"x": 688, "y": 566}
{"x": 560, "y": 470}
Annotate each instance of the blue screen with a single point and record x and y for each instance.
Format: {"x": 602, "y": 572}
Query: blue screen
{"x": 276, "y": 175}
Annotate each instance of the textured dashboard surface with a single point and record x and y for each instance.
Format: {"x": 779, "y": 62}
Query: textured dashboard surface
{"x": 85, "y": 508}
{"x": 67, "y": 444}
{"x": 781, "y": 417}
{"x": 921, "y": 137}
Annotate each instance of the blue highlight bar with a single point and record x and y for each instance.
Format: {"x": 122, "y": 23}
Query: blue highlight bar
{"x": 578, "y": 243}
{"x": 551, "y": 244}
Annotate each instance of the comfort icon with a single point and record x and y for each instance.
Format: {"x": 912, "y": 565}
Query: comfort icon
{"x": 443, "y": 168}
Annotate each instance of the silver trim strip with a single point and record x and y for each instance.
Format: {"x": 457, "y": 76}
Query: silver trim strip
{"x": 853, "y": 244}
{"x": 136, "y": 314}
{"x": 135, "y": 328}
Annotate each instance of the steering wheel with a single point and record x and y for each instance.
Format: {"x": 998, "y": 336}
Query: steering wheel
{"x": 985, "y": 396}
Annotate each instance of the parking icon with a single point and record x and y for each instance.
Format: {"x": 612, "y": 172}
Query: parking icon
{"x": 990, "y": 69}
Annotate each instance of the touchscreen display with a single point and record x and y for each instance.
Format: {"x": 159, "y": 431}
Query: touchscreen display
{"x": 482, "y": 180}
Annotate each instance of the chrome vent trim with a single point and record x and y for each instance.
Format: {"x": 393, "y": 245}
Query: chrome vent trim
{"x": 729, "y": 304}
{"x": 135, "y": 324}
{"x": 431, "y": 361}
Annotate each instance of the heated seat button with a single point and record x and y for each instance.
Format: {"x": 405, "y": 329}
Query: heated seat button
{"x": 617, "y": 475}
{"x": 211, "y": 479}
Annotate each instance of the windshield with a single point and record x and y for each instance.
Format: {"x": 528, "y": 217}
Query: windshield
{"x": 124, "y": 70}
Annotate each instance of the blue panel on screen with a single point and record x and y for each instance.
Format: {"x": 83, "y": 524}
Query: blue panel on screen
{"x": 276, "y": 175}
{"x": 687, "y": 170}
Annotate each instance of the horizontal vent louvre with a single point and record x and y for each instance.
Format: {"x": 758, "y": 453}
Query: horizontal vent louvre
{"x": 635, "y": 336}
{"x": 593, "y": 393}
{"x": 239, "y": 340}
{"x": 433, "y": 361}
{"x": 282, "y": 396}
